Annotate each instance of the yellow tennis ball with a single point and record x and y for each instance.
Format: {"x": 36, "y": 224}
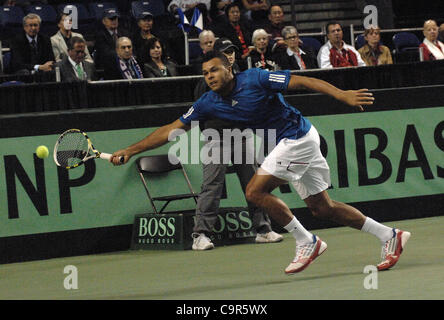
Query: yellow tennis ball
{"x": 42, "y": 152}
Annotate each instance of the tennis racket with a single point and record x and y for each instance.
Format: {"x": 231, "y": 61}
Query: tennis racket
{"x": 74, "y": 147}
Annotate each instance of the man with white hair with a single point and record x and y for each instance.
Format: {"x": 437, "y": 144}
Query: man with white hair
{"x": 206, "y": 40}
{"x": 432, "y": 48}
{"x": 31, "y": 51}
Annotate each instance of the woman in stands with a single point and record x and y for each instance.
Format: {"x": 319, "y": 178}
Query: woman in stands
{"x": 373, "y": 52}
{"x": 158, "y": 65}
{"x": 261, "y": 56}
{"x": 292, "y": 57}
{"x": 432, "y": 48}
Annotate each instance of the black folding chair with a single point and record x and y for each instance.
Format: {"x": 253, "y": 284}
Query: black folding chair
{"x": 149, "y": 166}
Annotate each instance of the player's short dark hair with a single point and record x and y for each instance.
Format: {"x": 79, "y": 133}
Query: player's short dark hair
{"x": 216, "y": 54}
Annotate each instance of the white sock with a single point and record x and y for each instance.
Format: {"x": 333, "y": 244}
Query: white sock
{"x": 298, "y": 231}
{"x": 382, "y": 232}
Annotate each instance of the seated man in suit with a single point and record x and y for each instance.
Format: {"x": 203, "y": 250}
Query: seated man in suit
{"x": 123, "y": 65}
{"x": 31, "y": 51}
{"x": 60, "y": 40}
{"x": 107, "y": 36}
{"x": 74, "y": 67}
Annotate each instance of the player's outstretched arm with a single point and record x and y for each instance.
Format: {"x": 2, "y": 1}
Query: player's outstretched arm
{"x": 356, "y": 98}
{"x": 157, "y": 138}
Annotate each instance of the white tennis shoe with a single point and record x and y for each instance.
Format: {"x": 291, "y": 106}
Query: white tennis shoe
{"x": 268, "y": 237}
{"x": 392, "y": 249}
{"x": 305, "y": 254}
{"x": 201, "y": 242}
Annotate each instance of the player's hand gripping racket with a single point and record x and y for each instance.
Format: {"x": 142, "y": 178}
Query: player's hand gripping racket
{"x": 74, "y": 148}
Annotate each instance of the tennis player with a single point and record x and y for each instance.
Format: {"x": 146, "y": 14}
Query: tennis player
{"x": 254, "y": 98}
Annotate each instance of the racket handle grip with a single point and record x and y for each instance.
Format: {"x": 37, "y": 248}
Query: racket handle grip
{"x": 107, "y": 156}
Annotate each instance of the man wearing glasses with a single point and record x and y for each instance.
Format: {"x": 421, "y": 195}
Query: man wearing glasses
{"x": 336, "y": 53}
{"x": 74, "y": 67}
{"x": 293, "y": 57}
{"x": 31, "y": 51}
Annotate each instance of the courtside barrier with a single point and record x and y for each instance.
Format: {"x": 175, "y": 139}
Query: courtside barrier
{"x": 41, "y": 97}
{"x": 387, "y": 161}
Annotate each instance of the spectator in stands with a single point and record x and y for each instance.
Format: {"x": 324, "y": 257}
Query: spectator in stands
{"x": 60, "y": 40}
{"x": 432, "y": 48}
{"x": 373, "y": 52}
{"x": 123, "y": 64}
{"x": 188, "y": 6}
{"x": 217, "y": 10}
{"x": 206, "y": 42}
{"x": 336, "y": 53}
{"x": 261, "y": 56}
{"x": 441, "y": 32}
{"x": 237, "y": 32}
{"x": 256, "y": 11}
{"x": 31, "y": 51}
{"x": 74, "y": 66}
{"x": 106, "y": 37}
{"x": 145, "y": 22}
{"x": 293, "y": 57}
{"x": 158, "y": 65}
{"x": 275, "y": 25}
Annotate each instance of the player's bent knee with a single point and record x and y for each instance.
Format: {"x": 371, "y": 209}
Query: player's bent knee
{"x": 252, "y": 194}
{"x": 319, "y": 210}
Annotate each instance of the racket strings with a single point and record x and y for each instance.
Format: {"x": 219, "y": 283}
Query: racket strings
{"x": 72, "y": 148}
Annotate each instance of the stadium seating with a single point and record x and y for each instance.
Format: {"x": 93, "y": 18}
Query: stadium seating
{"x": 359, "y": 41}
{"x": 96, "y": 8}
{"x": 406, "y": 47}
{"x": 11, "y": 21}
{"x": 48, "y": 14}
{"x": 313, "y": 43}
{"x": 156, "y": 8}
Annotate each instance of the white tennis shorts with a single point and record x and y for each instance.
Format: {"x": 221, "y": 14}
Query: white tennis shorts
{"x": 301, "y": 163}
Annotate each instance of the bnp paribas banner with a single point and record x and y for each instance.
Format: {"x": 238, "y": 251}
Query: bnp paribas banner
{"x": 372, "y": 156}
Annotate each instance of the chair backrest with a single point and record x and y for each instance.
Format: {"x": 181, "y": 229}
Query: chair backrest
{"x": 46, "y": 12}
{"x": 6, "y": 61}
{"x": 11, "y": 16}
{"x": 97, "y": 8}
{"x": 405, "y": 41}
{"x": 11, "y": 83}
{"x": 359, "y": 41}
{"x": 156, "y": 7}
{"x": 312, "y": 43}
{"x": 194, "y": 50}
{"x": 158, "y": 164}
